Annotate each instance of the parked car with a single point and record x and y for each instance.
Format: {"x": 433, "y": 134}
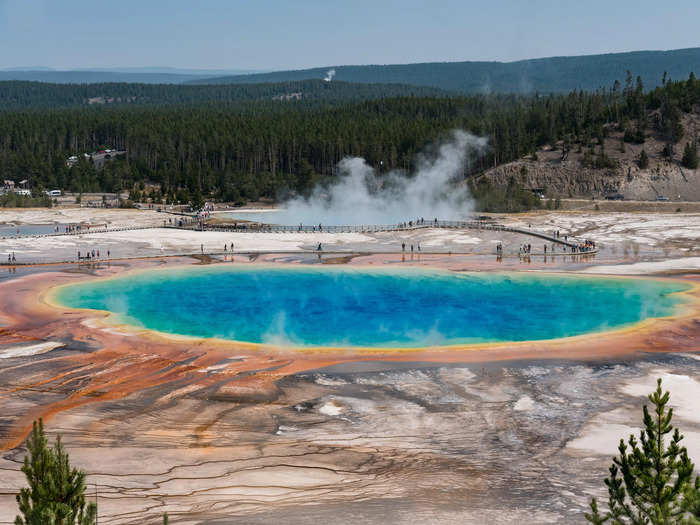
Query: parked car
{"x": 661, "y": 198}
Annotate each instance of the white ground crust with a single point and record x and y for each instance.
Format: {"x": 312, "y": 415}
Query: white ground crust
{"x": 684, "y": 263}
{"x": 27, "y": 350}
{"x": 602, "y": 434}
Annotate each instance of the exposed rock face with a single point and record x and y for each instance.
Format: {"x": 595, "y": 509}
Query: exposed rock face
{"x": 569, "y": 178}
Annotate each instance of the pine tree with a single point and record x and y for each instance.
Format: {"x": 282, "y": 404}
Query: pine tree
{"x": 690, "y": 156}
{"x": 652, "y": 482}
{"x": 643, "y": 160}
{"x": 56, "y": 493}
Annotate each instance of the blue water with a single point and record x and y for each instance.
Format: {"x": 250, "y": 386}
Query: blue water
{"x": 29, "y": 229}
{"x": 267, "y": 217}
{"x": 343, "y": 306}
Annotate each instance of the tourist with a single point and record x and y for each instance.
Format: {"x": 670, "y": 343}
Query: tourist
{"x": 319, "y": 247}
{"x": 403, "y": 246}
{"x": 545, "y": 249}
{"x": 411, "y": 248}
{"x": 225, "y": 247}
{"x": 419, "y": 245}
{"x": 107, "y": 254}
{"x": 13, "y": 257}
{"x": 201, "y": 247}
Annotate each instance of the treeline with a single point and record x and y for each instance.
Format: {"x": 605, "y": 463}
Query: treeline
{"x": 273, "y": 150}
{"x": 17, "y": 95}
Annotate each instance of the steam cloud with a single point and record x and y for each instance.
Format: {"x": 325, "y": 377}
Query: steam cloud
{"x": 329, "y": 75}
{"x": 360, "y": 196}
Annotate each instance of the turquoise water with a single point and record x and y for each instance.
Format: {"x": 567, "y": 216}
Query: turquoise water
{"x": 381, "y": 308}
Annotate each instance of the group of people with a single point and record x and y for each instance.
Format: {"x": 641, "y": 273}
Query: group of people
{"x": 73, "y": 228}
{"x": 403, "y": 247}
{"x": 582, "y": 247}
{"x": 412, "y": 223}
{"x": 92, "y": 254}
{"x": 11, "y": 258}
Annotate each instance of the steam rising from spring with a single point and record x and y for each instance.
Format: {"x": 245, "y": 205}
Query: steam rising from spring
{"x": 360, "y": 196}
{"x": 329, "y": 75}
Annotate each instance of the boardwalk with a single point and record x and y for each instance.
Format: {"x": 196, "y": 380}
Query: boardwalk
{"x": 376, "y": 228}
{"x": 356, "y": 228}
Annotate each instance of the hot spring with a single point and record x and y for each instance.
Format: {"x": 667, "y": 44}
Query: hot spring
{"x": 349, "y": 307}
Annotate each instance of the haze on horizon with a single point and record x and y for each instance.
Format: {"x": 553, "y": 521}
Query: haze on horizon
{"x": 274, "y": 34}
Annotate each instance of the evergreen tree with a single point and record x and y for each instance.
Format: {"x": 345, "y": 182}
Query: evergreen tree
{"x": 652, "y": 482}
{"x": 56, "y": 493}
{"x": 197, "y": 201}
{"x": 643, "y": 160}
{"x": 690, "y": 156}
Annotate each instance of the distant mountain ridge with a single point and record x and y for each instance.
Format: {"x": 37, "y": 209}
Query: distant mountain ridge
{"x": 136, "y": 75}
{"x": 544, "y": 75}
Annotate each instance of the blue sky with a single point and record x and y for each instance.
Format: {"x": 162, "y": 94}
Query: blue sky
{"x": 276, "y": 34}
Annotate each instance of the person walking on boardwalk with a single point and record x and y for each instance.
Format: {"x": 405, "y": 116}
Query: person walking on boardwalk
{"x": 201, "y": 247}
{"x": 403, "y": 246}
{"x": 319, "y": 247}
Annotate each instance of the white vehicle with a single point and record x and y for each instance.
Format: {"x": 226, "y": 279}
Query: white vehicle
{"x": 54, "y": 193}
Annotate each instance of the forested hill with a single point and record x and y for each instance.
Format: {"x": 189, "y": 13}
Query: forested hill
{"x": 16, "y": 95}
{"x": 543, "y": 75}
{"x": 276, "y": 149}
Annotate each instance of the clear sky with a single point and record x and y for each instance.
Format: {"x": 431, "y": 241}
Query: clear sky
{"x": 291, "y": 34}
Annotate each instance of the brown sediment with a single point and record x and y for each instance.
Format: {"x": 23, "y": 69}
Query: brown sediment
{"x": 104, "y": 362}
